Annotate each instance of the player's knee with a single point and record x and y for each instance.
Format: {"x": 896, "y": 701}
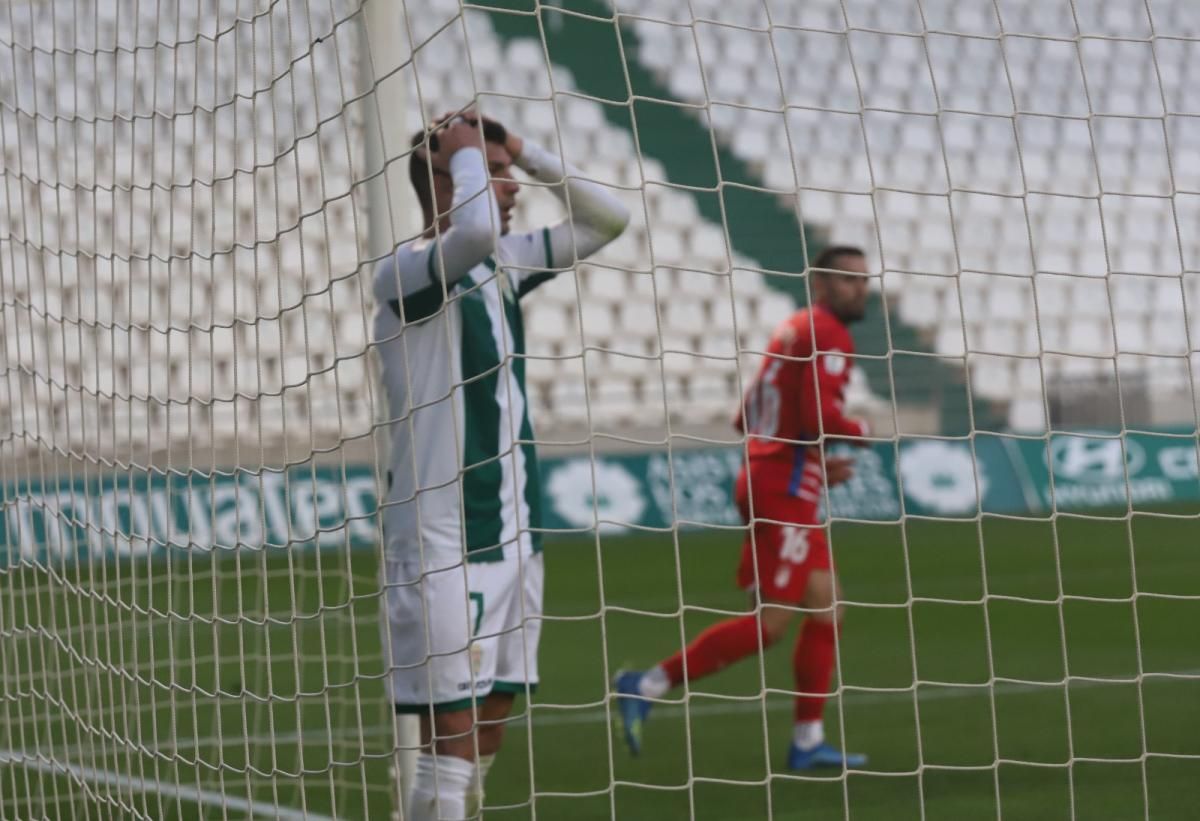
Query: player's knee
{"x": 493, "y": 715}
{"x": 821, "y": 597}
{"x": 491, "y": 737}
{"x": 457, "y": 746}
{"x": 775, "y": 623}
{"x": 452, "y": 733}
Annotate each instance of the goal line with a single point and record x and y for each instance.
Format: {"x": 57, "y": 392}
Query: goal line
{"x": 209, "y": 798}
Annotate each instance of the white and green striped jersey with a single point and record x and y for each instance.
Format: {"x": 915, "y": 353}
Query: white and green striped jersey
{"x": 463, "y": 472}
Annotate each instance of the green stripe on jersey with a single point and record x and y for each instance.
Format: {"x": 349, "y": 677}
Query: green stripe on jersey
{"x": 424, "y": 303}
{"x": 531, "y": 281}
{"x": 533, "y": 485}
{"x": 482, "y": 471}
{"x": 419, "y": 306}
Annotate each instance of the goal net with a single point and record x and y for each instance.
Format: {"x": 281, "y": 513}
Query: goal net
{"x": 193, "y": 199}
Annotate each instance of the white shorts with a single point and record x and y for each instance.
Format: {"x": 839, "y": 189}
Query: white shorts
{"x": 462, "y": 630}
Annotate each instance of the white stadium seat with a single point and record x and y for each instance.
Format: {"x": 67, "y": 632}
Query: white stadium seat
{"x": 1070, "y": 158}
{"x": 1091, "y": 204}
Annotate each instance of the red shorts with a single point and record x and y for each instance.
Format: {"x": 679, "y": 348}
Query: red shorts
{"x": 779, "y": 554}
{"x": 776, "y": 559}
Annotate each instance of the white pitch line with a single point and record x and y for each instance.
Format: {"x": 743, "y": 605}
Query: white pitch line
{"x": 207, "y": 797}
{"x": 557, "y": 717}
{"x": 545, "y": 718}
{"x": 598, "y": 715}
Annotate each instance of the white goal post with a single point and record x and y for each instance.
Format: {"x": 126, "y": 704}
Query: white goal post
{"x": 393, "y": 215}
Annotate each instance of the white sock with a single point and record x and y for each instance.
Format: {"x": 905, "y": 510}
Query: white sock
{"x": 476, "y": 790}
{"x": 808, "y": 734}
{"x": 440, "y": 788}
{"x": 654, "y": 683}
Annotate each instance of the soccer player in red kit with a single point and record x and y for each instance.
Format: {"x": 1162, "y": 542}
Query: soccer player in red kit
{"x": 793, "y": 408}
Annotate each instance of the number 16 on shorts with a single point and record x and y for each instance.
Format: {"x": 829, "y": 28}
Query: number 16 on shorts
{"x": 777, "y": 558}
{"x": 792, "y": 554}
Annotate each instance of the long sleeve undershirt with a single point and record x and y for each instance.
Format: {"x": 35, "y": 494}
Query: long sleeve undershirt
{"x": 434, "y": 265}
{"x": 474, "y": 226}
{"x": 595, "y": 217}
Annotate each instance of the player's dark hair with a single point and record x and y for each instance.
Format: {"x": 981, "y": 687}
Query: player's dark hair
{"x": 418, "y": 165}
{"x": 826, "y": 260}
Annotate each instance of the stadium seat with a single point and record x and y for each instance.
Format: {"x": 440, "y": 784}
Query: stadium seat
{"x": 1027, "y": 415}
{"x": 1027, "y": 188}
{"x": 1132, "y": 334}
{"x": 1048, "y": 76}
{"x": 1168, "y": 333}
{"x": 991, "y": 378}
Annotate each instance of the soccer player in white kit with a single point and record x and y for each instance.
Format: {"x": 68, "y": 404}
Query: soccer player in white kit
{"x": 463, "y": 567}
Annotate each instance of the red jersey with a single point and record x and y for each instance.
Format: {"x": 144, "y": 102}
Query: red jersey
{"x": 796, "y": 400}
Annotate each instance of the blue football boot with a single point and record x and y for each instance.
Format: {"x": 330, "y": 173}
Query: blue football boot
{"x": 632, "y": 706}
{"x": 823, "y": 755}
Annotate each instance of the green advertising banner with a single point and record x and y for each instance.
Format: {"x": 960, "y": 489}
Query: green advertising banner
{"x": 1078, "y": 471}
{"x": 990, "y": 473}
{"x": 311, "y": 507}
{"x": 695, "y": 487}
{"x": 137, "y": 513}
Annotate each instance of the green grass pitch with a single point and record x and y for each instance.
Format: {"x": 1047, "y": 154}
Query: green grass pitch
{"x": 219, "y": 687}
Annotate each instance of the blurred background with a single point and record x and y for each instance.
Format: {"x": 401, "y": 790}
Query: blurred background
{"x": 185, "y": 219}
{"x": 192, "y": 198}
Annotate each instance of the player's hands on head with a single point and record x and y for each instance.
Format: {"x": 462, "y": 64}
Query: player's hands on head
{"x": 838, "y": 469}
{"x": 453, "y": 132}
{"x": 513, "y": 144}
